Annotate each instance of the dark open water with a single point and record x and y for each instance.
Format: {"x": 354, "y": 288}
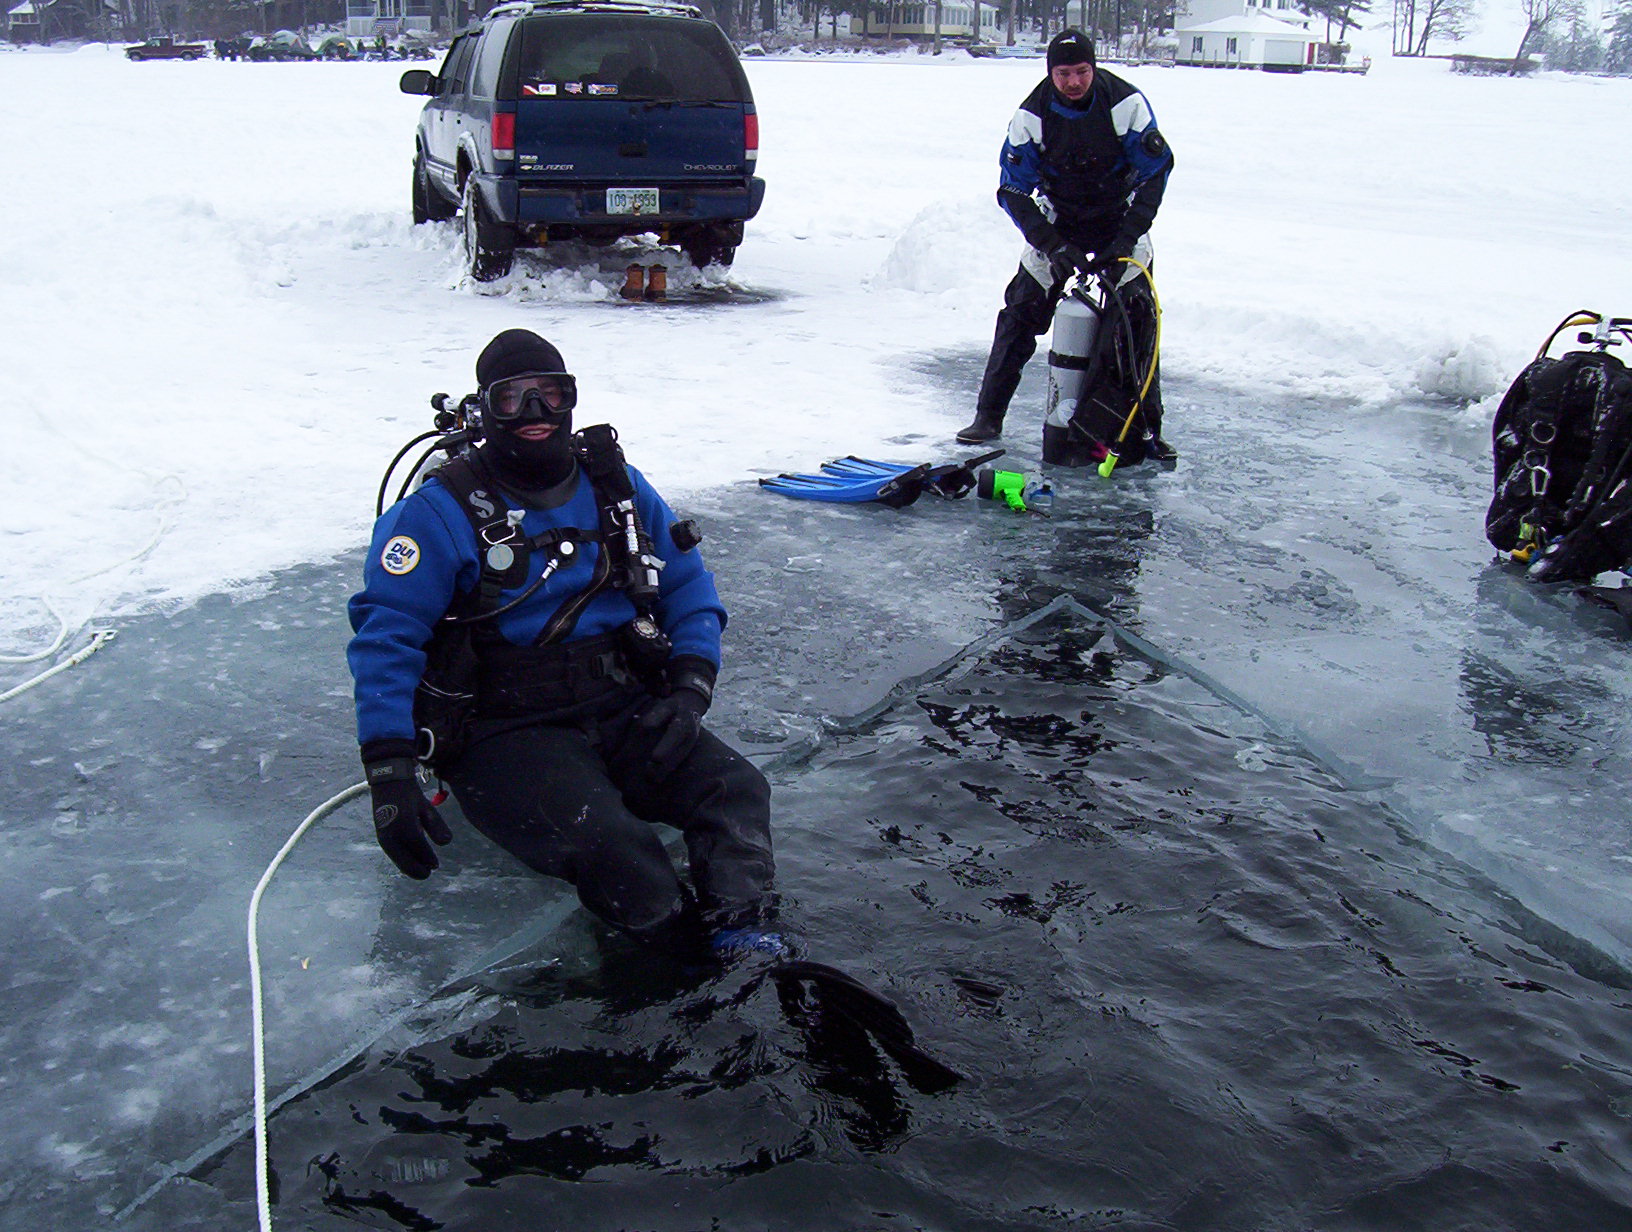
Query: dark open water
{"x": 1191, "y": 981}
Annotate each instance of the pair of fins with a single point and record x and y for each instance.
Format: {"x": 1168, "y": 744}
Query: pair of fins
{"x": 854, "y": 481}
{"x": 831, "y": 1004}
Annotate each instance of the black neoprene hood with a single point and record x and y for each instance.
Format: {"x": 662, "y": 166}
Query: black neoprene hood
{"x": 514, "y": 352}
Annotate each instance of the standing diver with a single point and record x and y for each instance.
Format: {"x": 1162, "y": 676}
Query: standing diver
{"x": 1083, "y": 169}
{"x": 590, "y": 628}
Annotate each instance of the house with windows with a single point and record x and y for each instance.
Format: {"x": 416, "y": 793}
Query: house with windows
{"x": 387, "y": 18}
{"x": 23, "y": 22}
{"x": 977, "y": 20}
{"x": 1266, "y": 34}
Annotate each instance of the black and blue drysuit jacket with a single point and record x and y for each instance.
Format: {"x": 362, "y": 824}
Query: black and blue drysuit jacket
{"x": 1091, "y": 173}
{"x": 424, "y": 555}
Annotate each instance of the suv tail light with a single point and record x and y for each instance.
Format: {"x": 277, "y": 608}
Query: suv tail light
{"x": 750, "y": 136}
{"x": 504, "y": 134}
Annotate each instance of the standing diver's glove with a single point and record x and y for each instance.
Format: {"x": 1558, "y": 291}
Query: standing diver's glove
{"x": 403, "y": 817}
{"x": 1065, "y": 259}
{"x": 1111, "y": 269}
{"x": 675, "y": 722}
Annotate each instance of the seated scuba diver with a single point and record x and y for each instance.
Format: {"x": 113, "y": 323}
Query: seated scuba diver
{"x": 590, "y": 627}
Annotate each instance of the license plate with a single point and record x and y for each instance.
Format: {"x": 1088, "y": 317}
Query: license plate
{"x": 631, "y": 201}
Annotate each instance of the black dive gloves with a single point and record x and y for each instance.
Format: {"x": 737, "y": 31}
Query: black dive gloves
{"x": 1065, "y": 259}
{"x": 1109, "y": 264}
{"x": 403, "y": 817}
{"x": 674, "y": 723}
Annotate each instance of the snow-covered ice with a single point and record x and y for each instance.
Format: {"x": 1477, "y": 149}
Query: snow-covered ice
{"x": 219, "y": 317}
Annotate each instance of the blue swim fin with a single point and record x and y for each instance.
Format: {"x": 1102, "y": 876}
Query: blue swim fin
{"x": 853, "y": 480}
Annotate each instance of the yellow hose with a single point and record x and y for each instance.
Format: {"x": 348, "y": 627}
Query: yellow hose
{"x": 1112, "y": 456}
{"x": 1581, "y": 316}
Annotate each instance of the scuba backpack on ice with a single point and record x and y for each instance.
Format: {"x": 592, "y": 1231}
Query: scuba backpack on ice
{"x": 1101, "y": 377}
{"x": 1563, "y": 459}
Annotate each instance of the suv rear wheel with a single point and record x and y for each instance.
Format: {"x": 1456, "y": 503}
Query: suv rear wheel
{"x": 429, "y": 205}
{"x": 711, "y": 244}
{"x": 490, "y": 247}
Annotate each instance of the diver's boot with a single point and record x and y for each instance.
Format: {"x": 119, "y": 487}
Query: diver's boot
{"x": 728, "y": 943}
{"x": 634, "y": 282}
{"x": 1162, "y": 451}
{"x": 988, "y": 426}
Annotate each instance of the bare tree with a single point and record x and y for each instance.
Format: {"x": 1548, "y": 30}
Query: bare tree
{"x": 1445, "y": 19}
{"x": 1538, "y": 15}
{"x": 1405, "y": 27}
{"x": 1345, "y": 13}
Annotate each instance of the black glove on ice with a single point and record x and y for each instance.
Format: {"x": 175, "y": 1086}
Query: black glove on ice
{"x": 1065, "y": 259}
{"x": 675, "y": 722}
{"x": 403, "y": 817}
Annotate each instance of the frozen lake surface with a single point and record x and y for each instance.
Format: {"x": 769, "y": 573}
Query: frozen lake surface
{"x": 1406, "y": 849}
{"x": 1045, "y": 842}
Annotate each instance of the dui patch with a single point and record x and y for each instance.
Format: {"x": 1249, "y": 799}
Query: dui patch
{"x": 400, "y": 555}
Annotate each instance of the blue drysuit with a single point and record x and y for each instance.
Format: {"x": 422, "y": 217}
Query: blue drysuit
{"x": 568, "y": 794}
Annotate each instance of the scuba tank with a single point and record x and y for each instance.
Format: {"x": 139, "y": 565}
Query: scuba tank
{"x": 1101, "y": 369}
{"x": 1072, "y": 370}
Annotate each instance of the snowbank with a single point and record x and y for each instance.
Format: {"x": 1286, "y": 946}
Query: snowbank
{"x": 220, "y": 322}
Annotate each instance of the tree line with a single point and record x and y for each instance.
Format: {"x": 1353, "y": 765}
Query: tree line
{"x": 1561, "y": 31}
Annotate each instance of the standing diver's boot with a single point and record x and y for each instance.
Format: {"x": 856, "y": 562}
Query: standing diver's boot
{"x": 988, "y": 426}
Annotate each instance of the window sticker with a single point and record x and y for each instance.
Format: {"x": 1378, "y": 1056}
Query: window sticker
{"x": 574, "y": 87}
{"x": 538, "y": 89}
{"x": 606, "y": 88}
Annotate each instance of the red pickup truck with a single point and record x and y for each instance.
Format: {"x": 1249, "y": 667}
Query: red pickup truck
{"x": 166, "y": 49}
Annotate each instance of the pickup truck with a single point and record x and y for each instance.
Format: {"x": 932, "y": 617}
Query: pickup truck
{"x": 166, "y": 49}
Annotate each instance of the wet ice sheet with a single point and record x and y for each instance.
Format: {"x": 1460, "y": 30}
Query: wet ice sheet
{"x": 153, "y": 783}
{"x": 142, "y": 803}
{"x": 1190, "y": 980}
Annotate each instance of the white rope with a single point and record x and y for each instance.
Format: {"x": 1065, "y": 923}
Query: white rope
{"x": 99, "y": 639}
{"x": 63, "y": 633}
{"x": 262, "y": 1186}
{"x": 64, "y": 630}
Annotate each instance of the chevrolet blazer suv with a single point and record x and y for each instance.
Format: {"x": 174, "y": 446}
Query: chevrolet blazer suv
{"x": 587, "y": 120}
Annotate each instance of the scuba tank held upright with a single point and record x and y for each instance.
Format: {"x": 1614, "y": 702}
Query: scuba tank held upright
{"x": 1072, "y": 363}
{"x": 1102, "y": 364}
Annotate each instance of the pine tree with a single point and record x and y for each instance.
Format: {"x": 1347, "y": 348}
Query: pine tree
{"x": 1618, "y": 56}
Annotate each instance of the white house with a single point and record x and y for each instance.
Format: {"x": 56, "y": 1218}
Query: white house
{"x": 1243, "y": 33}
{"x": 371, "y": 18}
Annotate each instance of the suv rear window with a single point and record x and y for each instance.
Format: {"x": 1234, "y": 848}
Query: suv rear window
{"x": 623, "y": 56}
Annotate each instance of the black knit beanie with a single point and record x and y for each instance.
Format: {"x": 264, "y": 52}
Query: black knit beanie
{"x": 1070, "y": 47}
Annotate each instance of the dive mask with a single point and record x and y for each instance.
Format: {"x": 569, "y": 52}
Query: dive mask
{"x": 530, "y": 395}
